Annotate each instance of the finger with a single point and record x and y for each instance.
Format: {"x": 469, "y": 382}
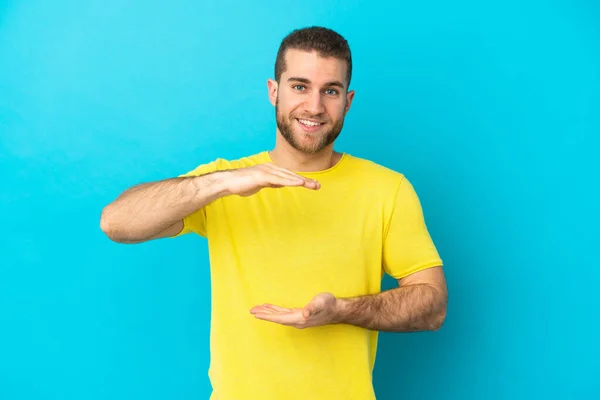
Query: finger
{"x": 277, "y": 308}
{"x": 275, "y": 176}
{"x": 311, "y": 310}
{"x": 310, "y": 183}
{"x": 290, "y": 319}
{"x": 306, "y": 312}
{"x": 270, "y": 309}
{"x": 282, "y": 179}
{"x": 269, "y": 317}
{"x": 261, "y": 309}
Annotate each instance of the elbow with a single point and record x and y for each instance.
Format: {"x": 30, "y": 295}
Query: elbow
{"x": 439, "y": 315}
{"x": 437, "y": 323}
{"x": 108, "y": 227}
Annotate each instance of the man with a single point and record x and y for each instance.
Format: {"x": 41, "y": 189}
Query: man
{"x": 299, "y": 238}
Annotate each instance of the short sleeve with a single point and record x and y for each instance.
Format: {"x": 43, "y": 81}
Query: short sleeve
{"x": 196, "y": 221}
{"x": 408, "y": 246}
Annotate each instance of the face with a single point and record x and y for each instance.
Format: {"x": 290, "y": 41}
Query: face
{"x": 311, "y": 100}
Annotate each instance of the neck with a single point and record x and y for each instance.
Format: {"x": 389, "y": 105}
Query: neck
{"x": 289, "y": 158}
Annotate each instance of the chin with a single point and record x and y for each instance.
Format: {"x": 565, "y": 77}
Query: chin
{"x": 307, "y": 143}
{"x": 304, "y": 141}
{"x": 310, "y": 149}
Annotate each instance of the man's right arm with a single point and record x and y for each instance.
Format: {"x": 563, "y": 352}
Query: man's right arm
{"x": 156, "y": 210}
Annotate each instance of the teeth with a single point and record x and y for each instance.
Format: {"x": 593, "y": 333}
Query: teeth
{"x": 309, "y": 123}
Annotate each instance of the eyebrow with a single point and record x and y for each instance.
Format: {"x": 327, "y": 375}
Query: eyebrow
{"x": 307, "y": 81}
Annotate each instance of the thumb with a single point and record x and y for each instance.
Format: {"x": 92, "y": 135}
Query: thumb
{"x": 308, "y": 311}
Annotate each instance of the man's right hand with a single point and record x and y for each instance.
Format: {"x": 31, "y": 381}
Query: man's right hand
{"x": 248, "y": 181}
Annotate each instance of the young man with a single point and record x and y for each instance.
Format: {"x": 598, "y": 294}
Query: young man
{"x": 299, "y": 239}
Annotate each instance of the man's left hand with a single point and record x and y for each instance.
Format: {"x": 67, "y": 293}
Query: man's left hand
{"x": 321, "y": 310}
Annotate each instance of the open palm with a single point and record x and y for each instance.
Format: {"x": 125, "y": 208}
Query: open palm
{"x": 319, "y": 311}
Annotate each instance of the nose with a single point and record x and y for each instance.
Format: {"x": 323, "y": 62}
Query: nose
{"x": 314, "y": 104}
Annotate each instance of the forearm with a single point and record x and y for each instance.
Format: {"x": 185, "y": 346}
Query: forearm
{"x": 144, "y": 210}
{"x": 410, "y": 308}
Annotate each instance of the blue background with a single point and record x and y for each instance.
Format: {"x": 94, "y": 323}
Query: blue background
{"x": 490, "y": 108}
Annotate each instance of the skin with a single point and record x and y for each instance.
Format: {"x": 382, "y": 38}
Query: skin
{"x": 315, "y": 88}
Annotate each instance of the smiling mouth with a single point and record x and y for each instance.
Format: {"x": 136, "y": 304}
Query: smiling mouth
{"x": 309, "y": 123}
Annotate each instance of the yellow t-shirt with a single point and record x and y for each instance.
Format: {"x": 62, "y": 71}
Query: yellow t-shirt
{"x": 285, "y": 245}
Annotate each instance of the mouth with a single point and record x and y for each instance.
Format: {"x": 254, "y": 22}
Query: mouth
{"x": 309, "y": 125}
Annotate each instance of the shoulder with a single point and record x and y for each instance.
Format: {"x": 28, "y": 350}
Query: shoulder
{"x": 373, "y": 171}
{"x": 243, "y": 162}
{"x": 222, "y": 164}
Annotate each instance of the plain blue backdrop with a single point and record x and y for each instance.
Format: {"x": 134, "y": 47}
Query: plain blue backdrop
{"x": 490, "y": 108}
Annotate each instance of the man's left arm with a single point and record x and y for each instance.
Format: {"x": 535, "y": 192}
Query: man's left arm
{"x": 410, "y": 256}
{"x": 418, "y": 304}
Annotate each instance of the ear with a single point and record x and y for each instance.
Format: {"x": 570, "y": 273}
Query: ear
{"x": 349, "y": 98}
{"x": 272, "y": 86}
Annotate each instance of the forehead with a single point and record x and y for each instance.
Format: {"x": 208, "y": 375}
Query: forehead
{"x": 310, "y": 65}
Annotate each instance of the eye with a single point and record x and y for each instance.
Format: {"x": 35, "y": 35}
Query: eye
{"x": 302, "y": 87}
{"x": 331, "y": 92}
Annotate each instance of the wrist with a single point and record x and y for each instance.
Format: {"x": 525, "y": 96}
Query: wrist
{"x": 215, "y": 183}
{"x": 340, "y": 311}
{"x": 220, "y": 182}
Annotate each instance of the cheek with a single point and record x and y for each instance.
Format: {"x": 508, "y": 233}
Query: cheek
{"x": 336, "y": 110}
{"x": 287, "y": 106}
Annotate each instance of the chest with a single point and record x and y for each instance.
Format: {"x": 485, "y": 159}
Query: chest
{"x": 299, "y": 243}
{"x": 298, "y": 221}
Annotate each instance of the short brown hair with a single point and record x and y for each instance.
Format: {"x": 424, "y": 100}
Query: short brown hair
{"x": 326, "y": 42}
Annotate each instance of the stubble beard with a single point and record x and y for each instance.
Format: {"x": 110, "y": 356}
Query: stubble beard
{"x": 285, "y": 126}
